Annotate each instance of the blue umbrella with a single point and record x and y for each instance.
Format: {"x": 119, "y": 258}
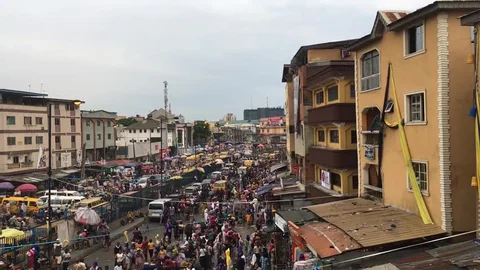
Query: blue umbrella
{"x": 131, "y": 164}
{"x": 6, "y": 185}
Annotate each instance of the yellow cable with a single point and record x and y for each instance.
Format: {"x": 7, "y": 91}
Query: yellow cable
{"x": 422, "y": 207}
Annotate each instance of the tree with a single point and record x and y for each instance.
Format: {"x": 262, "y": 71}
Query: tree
{"x": 126, "y": 122}
{"x": 201, "y": 131}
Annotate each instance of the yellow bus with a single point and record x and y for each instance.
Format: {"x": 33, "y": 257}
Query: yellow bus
{"x": 16, "y": 203}
{"x": 220, "y": 185}
{"x": 96, "y": 203}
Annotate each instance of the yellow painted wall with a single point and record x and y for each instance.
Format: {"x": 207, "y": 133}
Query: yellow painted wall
{"x": 346, "y": 178}
{"x": 289, "y": 115}
{"x": 345, "y": 136}
{"x": 325, "y": 55}
{"x": 419, "y": 73}
{"x": 343, "y": 93}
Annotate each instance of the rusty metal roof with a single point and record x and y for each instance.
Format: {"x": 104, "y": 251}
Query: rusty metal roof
{"x": 390, "y": 16}
{"x": 374, "y": 224}
{"x": 327, "y": 240}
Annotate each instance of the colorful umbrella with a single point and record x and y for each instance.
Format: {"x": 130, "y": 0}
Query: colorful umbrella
{"x": 6, "y": 186}
{"x": 219, "y": 161}
{"x": 27, "y": 188}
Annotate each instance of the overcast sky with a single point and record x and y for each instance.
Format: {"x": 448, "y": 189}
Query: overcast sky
{"x": 215, "y": 54}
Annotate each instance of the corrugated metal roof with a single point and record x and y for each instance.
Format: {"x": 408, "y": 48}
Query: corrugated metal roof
{"x": 373, "y": 224}
{"x": 23, "y": 93}
{"x": 327, "y": 240}
{"x": 390, "y": 16}
{"x": 299, "y": 217}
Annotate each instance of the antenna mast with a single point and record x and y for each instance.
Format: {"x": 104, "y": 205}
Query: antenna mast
{"x": 165, "y": 96}
{"x": 170, "y": 108}
{"x": 267, "y": 102}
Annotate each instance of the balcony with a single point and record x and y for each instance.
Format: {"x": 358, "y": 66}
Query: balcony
{"x": 334, "y": 113}
{"x": 333, "y": 158}
{"x": 13, "y": 166}
{"x": 27, "y": 164}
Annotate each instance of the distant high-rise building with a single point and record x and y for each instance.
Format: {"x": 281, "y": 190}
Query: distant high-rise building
{"x": 229, "y": 117}
{"x": 256, "y": 114}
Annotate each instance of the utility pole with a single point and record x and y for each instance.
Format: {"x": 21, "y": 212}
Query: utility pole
{"x": 83, "y": 161}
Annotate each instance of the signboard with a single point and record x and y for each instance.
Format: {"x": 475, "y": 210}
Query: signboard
{"x": 275, "y": 121}
{"x": 66, "y": 159}
{"x": 296, "y": 236}
{"x": 42, "y": 158}
{"x": 281, "y": 223}
{"x": 79, "y": 158}
{"x": 325, "y": 179}
{"x": 162, "y": 153}
{"x": 370, "y": 152}
{"x": 296, "y": 93}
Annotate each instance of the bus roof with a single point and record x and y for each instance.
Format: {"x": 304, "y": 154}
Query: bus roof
{"x": 221, "y": 181}
{"x": 161, "y": 200}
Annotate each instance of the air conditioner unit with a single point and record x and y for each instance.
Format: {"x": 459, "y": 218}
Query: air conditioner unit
{"x": 345, "y": 53}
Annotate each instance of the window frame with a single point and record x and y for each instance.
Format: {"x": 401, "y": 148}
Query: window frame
{"x": 426, "y": 191}
{"x": 37, "y": 122}
{"x": 318, "y": 135}
{"x": 14, "y": 141}
{"x": 362, "y": 77}
{"x": 353, "y": 132}
{"x": 14, "y": 120}
{"x": 27, "y": 119}
{"x": 407, "y": 105}
{"x": 406, "y": 41}
{"x": 25, "y": 140}
{"x": 330, "y": 135}
{"x": 87, "y": 137}
{"x": 328, "y": 93}
{"x": 37, "y": 140}
{"x": 99, "y": 136}
{"x": 323, "y": 97}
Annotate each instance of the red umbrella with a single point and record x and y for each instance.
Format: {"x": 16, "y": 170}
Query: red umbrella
{"x": 260, "y": 146}
{"x": 27, "y": 188}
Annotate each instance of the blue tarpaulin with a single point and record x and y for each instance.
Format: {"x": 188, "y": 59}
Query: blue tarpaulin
{"x": 264, "y": 189}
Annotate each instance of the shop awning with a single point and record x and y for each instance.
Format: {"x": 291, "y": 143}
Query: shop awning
{"x": 277, "y": 167}
{"x": 26, "y": 178}
{"x": 373, "y": 224}
{"x": 298, "y": 217}
{"x": 264, "y": 189}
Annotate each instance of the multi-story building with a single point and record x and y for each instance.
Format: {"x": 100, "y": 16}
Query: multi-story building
{"x": 66, "y": 133}
{"x": 229, "y": 117}
{"x": 273, "y": 130}
{"x": 146, "y": 131}
{"x": 314, "y": 68}
{"x": 23, "y": 131}
{"x": 256, "y": 114}
{"x": 289, "y": 119}
{"x": 413, "y": 84}
{"x": 98, "y": 129}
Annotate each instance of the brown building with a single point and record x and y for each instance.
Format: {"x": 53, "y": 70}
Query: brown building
{"x": 324, "y": 117}
{"x": 273, "y": 130}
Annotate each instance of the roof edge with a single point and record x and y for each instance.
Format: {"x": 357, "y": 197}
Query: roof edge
{"x": 470, "y": 19}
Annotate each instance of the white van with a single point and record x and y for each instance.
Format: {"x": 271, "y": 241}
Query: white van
{"x": 60, "y": 203}
{"x": 59, "y": 192}
{"x": 157, "y": 207}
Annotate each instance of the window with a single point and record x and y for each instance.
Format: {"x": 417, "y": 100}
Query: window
{"x": 353, "y": 136}
{"x": 16, "y": 159}
{"x": 335, "y": 179}
{"x": 158, "y": 130}
{"x": 334, "y": 138}
{"x": 151, "y": 130}
{"x": 73, "y": 138}
{"x": 144, "y": 131}
{"x": 56, "y": 107}
{"x": 352, "y": 90}
{"x": 88, "y": 137}
{"x": 99, "y": 136}
{"x": 109, "y": 124}
{"x": 72, "y": 122}
{"x": 414, "y": 41}
{"x": 27, "y": 140}
{"x": 416, "y": 107}
{"x": 87, "y": 123}
{"x": 27, "y": 121}
{"x": 129, "y": 131}
{"x": 332, "y": 93}
{"x": 109, "y": 136}
{"x": 134, "y": 131}
{"x": 11, "y": 141}
{"x": 421, "y": 174}
{"x": 139, "y": 131}
{"x": 69, "y": 107}
{"x": 98, "y": 123}
{"x": 370, "y": 70}
{"x": 321, "y": 135}
{"x": 38, "y": 121}
{"x": 57, "y": 121}
{"x": 354, "y": 181}
{"x": 319, "y": 98}
{"x": 39, "y": 139}
{"x": 57, "y": 139}
{"x": 10, "y": 120}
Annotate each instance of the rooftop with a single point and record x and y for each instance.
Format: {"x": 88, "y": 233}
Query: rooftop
{"x": 300, "y": 58}
{"x": 145, "y": 124}
{"x": 22, "y": 93}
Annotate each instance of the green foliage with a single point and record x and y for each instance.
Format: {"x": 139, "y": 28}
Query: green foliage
{"x": 126, "y": 122}
{"x": 201, "y": 131}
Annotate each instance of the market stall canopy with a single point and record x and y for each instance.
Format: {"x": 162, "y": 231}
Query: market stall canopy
{"x": 87, "y": 216}
{"x": 176, "y": 177}
{"x": 131, "y": 164}
{"x": 27, "y": 188}
{"x": 6, "y": 186}
{"x": 264, "y": 189}
{"x": 219, "y": 161}
{"x": 192, "y": 157}
{"x": 11, "y": 236}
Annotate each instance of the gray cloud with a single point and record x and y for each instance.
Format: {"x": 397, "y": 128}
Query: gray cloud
{"x": 215, "y": 54}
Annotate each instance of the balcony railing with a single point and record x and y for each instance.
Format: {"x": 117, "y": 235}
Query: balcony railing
{"x": 28, "y": 164}
{"x": 13, "y": 166}
{"x": 371, "y": 138}
{"x": 338, "y": 112}
{"x": 58, "y": 146}
{"x": 333, "y": 158}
